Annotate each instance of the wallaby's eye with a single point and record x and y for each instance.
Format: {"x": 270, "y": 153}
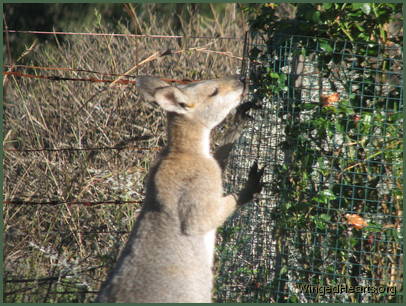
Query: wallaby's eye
{"x": 215, "y": 92}
{"x": 183, "y": 105}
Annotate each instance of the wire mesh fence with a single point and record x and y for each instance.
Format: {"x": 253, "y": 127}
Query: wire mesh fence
{"x": 327, "y": 225}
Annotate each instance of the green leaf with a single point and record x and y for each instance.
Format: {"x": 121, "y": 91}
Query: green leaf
{"x": 324, "y": 196}
{"x": 339, "y": 127}
{"x": 366, "y": 118}
{"x": 282, "y": 77}
{"x": 326, "y": 6}
{"x": 392, "y": 233}
{"x": 321, "y": 221}
{"x": 328, "y": 194}
{"x": 353, "y": 241}
{"x": 324, "y": 45}
{"x": 373, "y": 228}
{"x": 283, "y": 270}
{"x": 309, "y": 106}
{"x": 274, "y": 75}
{"x": 320, "y": 123}
{"x": 395, "y": 117}
{"x": 356, "y": 6}
{"x": 316, "y": 17}
{"x": 325, "y": 217}
{"x": 359, "y": 27}
{"x": 345, "y": 107}
{"x": 365, "y": 7}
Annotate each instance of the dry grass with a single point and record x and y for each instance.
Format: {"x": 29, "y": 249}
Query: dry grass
{"x": 61, "y": 253}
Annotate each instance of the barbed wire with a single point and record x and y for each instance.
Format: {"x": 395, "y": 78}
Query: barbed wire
{"x": 88, "y": 232}
{"x": 119, "y": 79}
{"x": 59, "y": 78}
{"x": 66, "y": 69}
{"x": 85, "y": 149}
{"x": 92, "y": 80}
{"x": 69, "y": 203}
{"x": 118, "y": 34}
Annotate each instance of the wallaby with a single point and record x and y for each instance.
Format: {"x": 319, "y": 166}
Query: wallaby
{"x": 169, "y": 254}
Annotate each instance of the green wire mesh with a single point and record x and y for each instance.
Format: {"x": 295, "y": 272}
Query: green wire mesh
{"x": 327, "y": 225}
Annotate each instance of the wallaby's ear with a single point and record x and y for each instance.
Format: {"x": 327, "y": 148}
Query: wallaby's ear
{"x": 168, "y": 97}
{"x": 148, "y": 86}
{"x": 172, "y": 99}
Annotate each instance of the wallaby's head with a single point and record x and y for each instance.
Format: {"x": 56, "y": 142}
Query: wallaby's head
{"x": 207, "y": 102}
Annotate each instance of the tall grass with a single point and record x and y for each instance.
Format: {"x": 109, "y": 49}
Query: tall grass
{"x": 61, "y": 253}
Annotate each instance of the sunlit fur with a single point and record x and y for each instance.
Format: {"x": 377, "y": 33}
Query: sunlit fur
{"x": 169, "y": 254}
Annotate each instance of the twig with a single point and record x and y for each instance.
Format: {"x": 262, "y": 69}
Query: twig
{"x": 148, "y": 59}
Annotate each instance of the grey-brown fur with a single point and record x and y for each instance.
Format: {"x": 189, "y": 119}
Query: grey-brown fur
{"x": 169, "y": 254}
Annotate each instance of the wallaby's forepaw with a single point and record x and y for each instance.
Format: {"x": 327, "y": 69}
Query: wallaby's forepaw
{"x": 253, "y": 186}
{"x": 254, "y": 178}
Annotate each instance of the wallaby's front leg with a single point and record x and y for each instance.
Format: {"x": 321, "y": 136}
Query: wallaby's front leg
{"x": 233, "y": 131}
{"x": 211, "y": 213}
{"x": 208, "y": 216}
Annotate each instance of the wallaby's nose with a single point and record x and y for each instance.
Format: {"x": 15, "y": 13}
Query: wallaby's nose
{"x": 238, "y": 81}
{"x": 244, "y": 82}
